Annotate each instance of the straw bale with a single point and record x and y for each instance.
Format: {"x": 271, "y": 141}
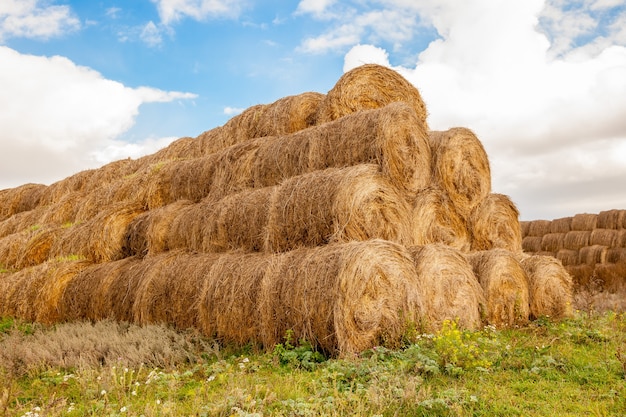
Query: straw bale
{"x": 620, "y": 240}
{"x": 612, "y": 275}
{"x": 367, "y": 87}
{"x": 19, "y": 199}
{"x": 449, "y": 288}
{"x": 604, "y": 237}
{"x": 505, "y": 285}
{"x": 552, "y": 242}
{"x": 584, "y": 222}
{"x": 282, "y": 117}
{"x": 524, "y": 225}
{"x": 562, "y": 225}
{"x": 336, "y": 205}
{"x": 568, "y": 257}
{"x": 435, "y": 220}
{"x": 616, "y": 255}
{"x": 37, "y": 248}
{"x": 612, "y": 219}
{"x": 591, "y": 255}
{"x": 21, "y": 221}
{"x": 532, "y": 244}
{"x": 550, "y": 286}
{"x": 12, "y": 247}
{"x": 461, "y": 167}
{"x": 182, "y": 148}
{"x": 187, "y": 227}
{"x": 343, "y": 298}
{"x": 539, "y": 228}
{"x": 62, "y": 211}
{"x": 576, "y": 239}
{"x": 581, "y": 276}
{"x": 494, "y": 223}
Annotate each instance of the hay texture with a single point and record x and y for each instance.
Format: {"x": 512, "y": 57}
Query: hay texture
{"x": 562, "y": 225}
{"x": 494, "y": 224}
{"x": 367, "y": 87}
{"x": 19, "y": 199}
{"x": 435, "y": 220}
{"x": 553, "y": 242}
{"x": 576, "y": 239}
{"x": 550, "y": 286}
{"x": 448, "y": 287}
{"x": 460, "y": 167}
{"x": 584, "y": 222}
{"x": 612, "y": 219}
{"x": 505, "y": 285}
{"x": 538, "y": 228}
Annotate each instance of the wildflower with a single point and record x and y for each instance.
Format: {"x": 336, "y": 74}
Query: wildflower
{"x": 103, "y": 392}
{"x": 123, "y": 409}
{"x": 158, "y": 401}
{"x": 133, "y": 393}
{"x": 211, "y": 378}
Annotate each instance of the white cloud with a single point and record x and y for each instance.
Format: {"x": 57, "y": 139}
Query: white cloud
{"x": 59, "y": 118}
{"x": 31, "y": 19}
{"x": 172, "y": 11}
{"x": 365, "y": 54}
{"x": 553, "y": 125}
{"x": 316, "y": 7}
{"x": 232, "y": 111}
{"x": 151, "y": 35}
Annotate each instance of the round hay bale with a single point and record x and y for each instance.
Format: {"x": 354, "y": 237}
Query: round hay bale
{"x": 620, "y": 240}
{"x": 12, "y": 247}
{"x": 336, "y": 205}
{"x": 435, "y": 220}
{"x": 591, "y": 255}
{"x": 581, "y": 276}
{"x": 616, "y": 255}
{"x": 494, "y": 223}
{"x": 63, "y": 211}
{"x": 37, "y": 248}
{"x": 342, "y": 298}
{"x": 550, "y": 286}
{"x": 524, "y": 225}
{"x": 19, "y": 199}
{"x": 532, "y": 244}
{"x": 612, "y": 275}
{"x": 182, "y": 148}
{"x": 505, "y": 285}
{"x": 449, "y": 288}
{"x": 191, "y": 226}
{"x": 367, "y": 87}
{"x": 20, "y": 222}
{"x": 539, "y": 228}
{"x": 604, "y": 237}
{"x": 461, "y": 167}
{"x": 612, "y": 219}
{"x": 576, "y": 239}
{"x": 562, "y": 225}
{"x": 568, "y": 257}
{"x": 584, "y": 222}
{"x": 552, "y": 242}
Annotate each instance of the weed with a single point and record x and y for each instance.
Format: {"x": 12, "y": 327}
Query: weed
{"x": 300, "y": 356}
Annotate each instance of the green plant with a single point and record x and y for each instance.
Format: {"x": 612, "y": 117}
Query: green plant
{"x": 459, "y": 350}
{"x": 302, "y": 355}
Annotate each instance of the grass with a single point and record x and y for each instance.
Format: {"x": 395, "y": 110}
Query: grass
{"x": 568, "y": 368}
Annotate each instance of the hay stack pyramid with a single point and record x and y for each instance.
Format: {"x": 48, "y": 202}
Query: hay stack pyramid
{"x": 340, "y": 217}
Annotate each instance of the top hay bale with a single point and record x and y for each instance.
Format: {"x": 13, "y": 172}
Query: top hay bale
{"x": 369, "y": 87}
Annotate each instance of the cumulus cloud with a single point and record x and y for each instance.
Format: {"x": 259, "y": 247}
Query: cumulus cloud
{"x": 60, "y": 118}
{"x": 232, "y": 111}
{"x": 151, "y": 35}
{"x": 553, "y": 124}
{"x": 172, "y": 11}
{"x": 35, "y": 19}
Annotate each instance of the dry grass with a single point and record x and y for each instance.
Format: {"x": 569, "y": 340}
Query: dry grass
{"x": 494, "y": 224}
{"x": 19, "y": 199}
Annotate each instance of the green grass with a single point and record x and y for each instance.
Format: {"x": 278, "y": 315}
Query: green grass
{"x": 568, "y": 368}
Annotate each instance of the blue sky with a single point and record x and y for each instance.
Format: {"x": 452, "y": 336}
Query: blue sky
{"x": 542, "y": 83}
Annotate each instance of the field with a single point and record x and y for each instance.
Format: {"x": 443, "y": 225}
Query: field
{"x": 572, "y": 367}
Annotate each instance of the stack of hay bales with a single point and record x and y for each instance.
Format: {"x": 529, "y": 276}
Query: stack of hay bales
{"x": 592, "y": 247}
{"x": 340, "y": 217}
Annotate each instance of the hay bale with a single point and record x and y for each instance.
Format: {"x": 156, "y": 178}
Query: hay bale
{"x": 552, "y": 242}
{"x": 584, "y": 222}
{"x": 63, "y": 211}
{"x": 19, "y": 199}
{"x": 568, "y": 257}
{"x": 576, "y": 239}
{"x": 539, "y": 228}
{"x": 435, "y": 220}
{"x": 582, "y": 276}
{"x": 367, "y": 87}
{"x": 616, "y": 255}
{"x": 494, "y": 223}
{"x": 284, "y": 116}
{"x": 562, "y": 225}
{"x": 336, "y": 205}
{"x": 612, "y": 219}
{"x": 449, "y": 288}
{"x": 604, "y": 237}
{"x": 620, "y": 240}
{"x": 613, "y": 276}
{"x": 550, "y": 286}
{"x": 461, "y": 167}
{"x": 524, "y": 225}
{"x": 505, "y": 285}
{"x": 342, "y": 298}
{"x": 591, "y": 255}
{"x": 37, "y": 248}
{"x": 532, "y": 244}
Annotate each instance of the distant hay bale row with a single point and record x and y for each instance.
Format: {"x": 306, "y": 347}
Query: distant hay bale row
{"x": 587, "y": 222}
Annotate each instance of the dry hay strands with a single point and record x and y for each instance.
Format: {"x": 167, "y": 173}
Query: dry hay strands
{"x": 505, "y": 284}
{"x": 576, "y": 239}
{"x": 171, "y": 287}
{"x": 435, "y": 220}
{"x": 103, "y": 238}
{"x": 538, "y": 228}
{"x": 19, "y": 199}
{"x": 553, "y": 242}
{"x": 584, "y": 222}
{"x": 342, "y": 298}
{"x": 550, "y": 286}
{"x": 34, "y": 294}
{"x": 367, "y": 87}
{"x": 448, "y": 287}
{"x": 494, "y": 224}
{"x": 591, "y": 255}
{"x": 562, "y": 225}
{"x": 37, "y": 249}
{"x": 582, "y": 276}
{"x": 336, "y": 205}
{"x": 604, "y": 237}
{"x": 620, "y": 240}
{"x": 282, "y": 117}
{"x": 12, "y": 247}
{"x": 532, "y": 244}
{"x": 524, "y": 225}
{"x": 102, "y": 291}
{"x": 62, "y": 211}
{"x": 613, "y": 276}
{"x": 568, "y": 257}
{"x": 461, "y": 167}
{"x": 182, "y": 148}
{"x": 26, "y": 220}
{"x": 616, "y": 255}
{"x": 612, "y": 219}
